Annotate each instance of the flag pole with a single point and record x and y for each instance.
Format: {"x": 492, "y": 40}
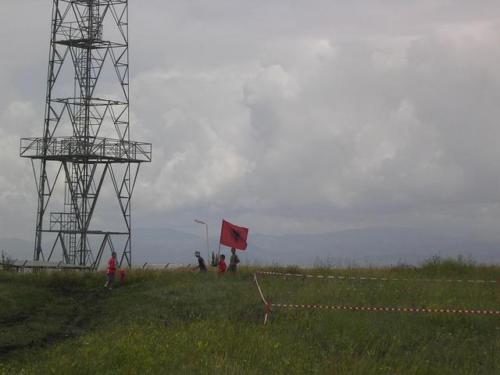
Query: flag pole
{"x": 218, "y": 252}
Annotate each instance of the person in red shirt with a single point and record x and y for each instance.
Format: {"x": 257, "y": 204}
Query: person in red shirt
{"x": 221, "y": 267}
{"x": 111, "y": 271}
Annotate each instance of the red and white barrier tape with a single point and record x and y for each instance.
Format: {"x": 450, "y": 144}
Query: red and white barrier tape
{"x": 266, "y": 304}
{"x": 422, "y": 310}
{"x": 388, "y": 309}
{"x": 369, "y": 278}
{"x": 260, "y": 290}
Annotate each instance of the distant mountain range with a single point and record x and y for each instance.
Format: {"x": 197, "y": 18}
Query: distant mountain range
{"x": 361, "y": 247}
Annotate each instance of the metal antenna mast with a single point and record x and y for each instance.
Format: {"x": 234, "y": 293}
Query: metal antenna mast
{"x": 86, "y": 136}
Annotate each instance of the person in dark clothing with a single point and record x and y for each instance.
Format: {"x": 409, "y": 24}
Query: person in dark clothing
{"x": 201, "y": 262}
{"x": 233, "y": 261}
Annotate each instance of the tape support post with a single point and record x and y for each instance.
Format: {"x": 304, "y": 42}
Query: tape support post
{"x": 267, "y": 305}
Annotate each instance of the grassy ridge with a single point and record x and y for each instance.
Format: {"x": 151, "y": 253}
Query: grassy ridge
{"x": 37, "y": 309}
{"x": 182, "y": 322}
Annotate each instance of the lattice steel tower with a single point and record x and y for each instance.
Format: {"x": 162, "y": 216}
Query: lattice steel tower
{"x": 86, "y": 137}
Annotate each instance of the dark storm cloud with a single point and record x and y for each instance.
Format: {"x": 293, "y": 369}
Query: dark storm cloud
{"x": 291, "y": 115}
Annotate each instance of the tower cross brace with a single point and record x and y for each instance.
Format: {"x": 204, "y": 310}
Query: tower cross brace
{"x": 86, "y": 144}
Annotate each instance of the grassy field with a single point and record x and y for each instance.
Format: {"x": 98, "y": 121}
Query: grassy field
{"x": 189, "y": 323}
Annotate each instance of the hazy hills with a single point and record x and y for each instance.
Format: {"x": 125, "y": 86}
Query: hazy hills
{"x": 375, "y": 246}
{"x": 372, "y": 246}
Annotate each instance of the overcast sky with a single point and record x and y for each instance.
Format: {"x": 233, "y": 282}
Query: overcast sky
{"x": 288, "y": 116}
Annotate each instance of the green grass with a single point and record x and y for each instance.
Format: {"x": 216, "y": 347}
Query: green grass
{"x": 36, "y": 309}
{"x": 189, "y": 323}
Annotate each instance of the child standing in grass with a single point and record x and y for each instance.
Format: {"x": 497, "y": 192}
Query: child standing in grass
{"x": 122, "y": 276}
{"x": 110, "y": 273}
{"x": 221, "y": 267}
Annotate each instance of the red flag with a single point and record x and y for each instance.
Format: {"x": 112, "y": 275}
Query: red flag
{"x": 233, "y": 236}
